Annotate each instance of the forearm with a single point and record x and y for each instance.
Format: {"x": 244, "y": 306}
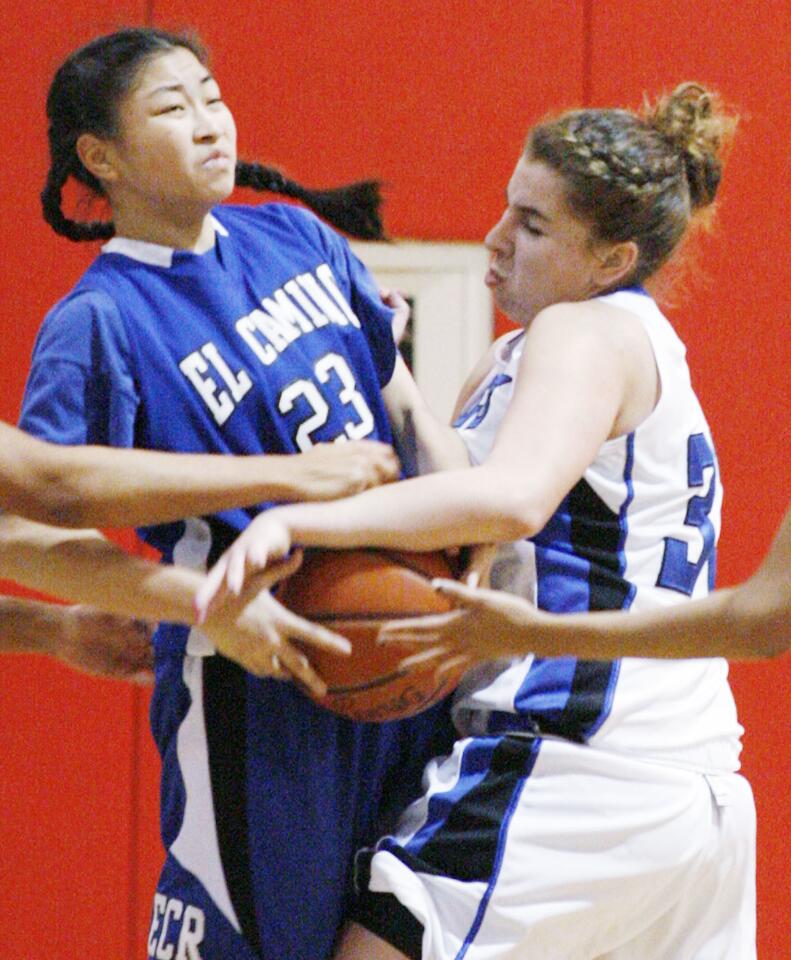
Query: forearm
{"x": 446, "y": 509}
{"x": 734, "y": 623}
{"x": 689, "y": 629}
{"x": 82, "y": 566}
{"x": 30, "y": 626}
{"x": 100, "y": 486}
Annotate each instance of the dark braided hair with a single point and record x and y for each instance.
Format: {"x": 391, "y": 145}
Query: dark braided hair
{"x": 84, "y": 98}
{"x": 639, "y": 177}
{"x": 353, "y": 208}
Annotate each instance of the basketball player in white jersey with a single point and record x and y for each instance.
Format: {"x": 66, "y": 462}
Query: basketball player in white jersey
{"x": 590, "y": 809}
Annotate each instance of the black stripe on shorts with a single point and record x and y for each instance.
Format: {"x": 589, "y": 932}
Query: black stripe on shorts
{"x": 224, "y": 702}
{"x": 385, "y": 915}
{"x": 466, "y": 847}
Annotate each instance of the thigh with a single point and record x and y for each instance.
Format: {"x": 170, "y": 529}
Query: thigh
{"x": 358, "y": 943}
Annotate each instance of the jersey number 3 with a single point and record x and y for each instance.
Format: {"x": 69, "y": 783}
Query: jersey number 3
{"x": 332, "y": 366}
{"x": 678, "y": 571}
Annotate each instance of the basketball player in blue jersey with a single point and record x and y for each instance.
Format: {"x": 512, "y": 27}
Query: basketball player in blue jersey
{"x": 591, "y": 808}
{"x": 231, "y": 329}
{"x": 79, "y": 486}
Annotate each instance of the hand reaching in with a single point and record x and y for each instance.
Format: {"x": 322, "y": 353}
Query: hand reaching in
{"x": 263, "y": 542}
{"x": 486, "y": 625}
{"x": 401, "y": 311}
{"x": 333, "y": 470}
{"x": 257, "y": 632}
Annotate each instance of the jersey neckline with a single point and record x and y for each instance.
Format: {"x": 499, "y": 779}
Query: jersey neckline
{"x": 156, "y": 254}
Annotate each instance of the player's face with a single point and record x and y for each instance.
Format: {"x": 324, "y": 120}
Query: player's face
{"x": 176, "y": 148}
{"x": 541, "y": 253}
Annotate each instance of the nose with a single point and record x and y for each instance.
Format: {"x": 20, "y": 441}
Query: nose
{"x": 498, "y": 238}
{"x": 208, "y": 124}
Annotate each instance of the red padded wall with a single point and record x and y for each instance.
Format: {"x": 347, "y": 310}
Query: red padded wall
{"x": 435, "y": 100}
{"x": 68, "y": 762}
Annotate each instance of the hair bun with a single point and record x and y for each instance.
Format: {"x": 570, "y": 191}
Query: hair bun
{"x": 693, "y": 121}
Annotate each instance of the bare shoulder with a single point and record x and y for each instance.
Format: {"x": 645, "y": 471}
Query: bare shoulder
{"x": 572, "y": 337}
{"x": 608, "y": 324}
{"x": 594, "y": 325}
{"x": 601, "y": 346}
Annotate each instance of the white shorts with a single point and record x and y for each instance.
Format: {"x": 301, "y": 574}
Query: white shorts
{"x": 531, "y": 849}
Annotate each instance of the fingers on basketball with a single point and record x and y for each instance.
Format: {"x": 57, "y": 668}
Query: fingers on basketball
{"x": 354, "y": 593}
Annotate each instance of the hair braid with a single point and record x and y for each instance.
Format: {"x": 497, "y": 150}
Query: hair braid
{"x": 51, "y": 204}
{"x": 599, "y": 160}
{"x": 353, "y": 208}
{"x": 692, "y": 121}
{"x": 638, "y": 177}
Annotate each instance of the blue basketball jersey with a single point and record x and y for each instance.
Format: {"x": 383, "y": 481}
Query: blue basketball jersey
{"x": 271, "y": 341}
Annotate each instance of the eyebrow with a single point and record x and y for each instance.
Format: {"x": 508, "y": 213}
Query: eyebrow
{"x": 177, "y": 87}
{"x": 532, "y": 212}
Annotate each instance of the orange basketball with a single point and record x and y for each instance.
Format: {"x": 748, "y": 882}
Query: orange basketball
{"x": 353, "y": 592}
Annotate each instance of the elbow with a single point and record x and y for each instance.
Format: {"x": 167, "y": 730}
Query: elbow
{"x": 54, "y": 501}
{"x": 522, "y": 516}
{"x": 519, "y": 505}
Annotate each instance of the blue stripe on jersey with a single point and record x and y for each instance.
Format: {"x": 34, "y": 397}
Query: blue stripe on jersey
{"x": 468, "y": 845}
{"x": 580, "y": 566}
{"x": 623, "y": 518}
{"x": 550, "y": 687}
{"x": 472, "y": 416}
{"x": 561, "y": 575}
{"x": 609, "y": 693}
{"x": 580, "y": 553}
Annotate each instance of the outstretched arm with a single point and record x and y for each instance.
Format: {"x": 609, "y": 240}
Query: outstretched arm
{"x": 108, "y": 487}
{"x": 253, "y": 629}
{"x": 81, "y": 637}
{"x": 751, "y": 621}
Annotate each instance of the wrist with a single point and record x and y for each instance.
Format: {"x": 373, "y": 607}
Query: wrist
{"x": 285, "y": 477}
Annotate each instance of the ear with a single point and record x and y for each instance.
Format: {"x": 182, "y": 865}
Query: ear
{"x": 97, "y": 156}
{"x": 614, "y": 264}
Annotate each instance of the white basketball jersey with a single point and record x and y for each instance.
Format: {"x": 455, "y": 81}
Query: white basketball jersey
{"x": 639, "y": 530}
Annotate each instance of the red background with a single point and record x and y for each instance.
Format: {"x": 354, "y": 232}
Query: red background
{"x": 435, "y": 100}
